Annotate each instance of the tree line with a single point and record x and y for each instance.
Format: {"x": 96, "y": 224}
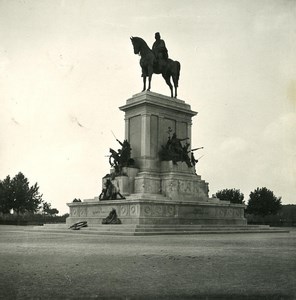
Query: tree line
{"x": 263, "y": 207}
{"x": 18, "y": 196}
{"x": 262, "y": 201}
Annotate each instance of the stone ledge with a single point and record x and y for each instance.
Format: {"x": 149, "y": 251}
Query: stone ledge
{"x": 155, "y": 199}
{"x": 159, "y": 100}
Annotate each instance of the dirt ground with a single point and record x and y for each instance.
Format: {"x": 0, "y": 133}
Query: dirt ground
{"x": 42, "y": 265}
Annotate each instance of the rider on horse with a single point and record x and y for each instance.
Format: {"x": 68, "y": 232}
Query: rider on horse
{"x": 160, "y": 51}
{"x": 156, "y": 61}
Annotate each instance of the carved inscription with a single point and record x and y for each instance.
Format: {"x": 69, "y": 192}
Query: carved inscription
{"x": 229, "y": 212}
{"x": 96, "y": 212}
{"x": 188, "y": 187}
{"x": 157, "y": 211}
{"x": 238, "y": 213}
{"x": 147, "y": 210}
{"x": 221, "y": 212}
{"x": 123, "y": 210}
{"x": 169, "y": 210}
{"x": 83, "y": 212}
{"x": 133, "y": 210}
{"x": 172, "y": 185}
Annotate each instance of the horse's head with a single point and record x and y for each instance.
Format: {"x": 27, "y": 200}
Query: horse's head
{"x": 137, "y": 44}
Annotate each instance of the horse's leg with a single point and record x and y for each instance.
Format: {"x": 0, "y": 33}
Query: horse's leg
{"x": 168, "y": 82}
{"x": 149, "y": 82}
{"x": 150, "y": 72}
{"x": 144, "y": 83}
{"x": 176, "y": 76}
{"x": 175, "y": 85}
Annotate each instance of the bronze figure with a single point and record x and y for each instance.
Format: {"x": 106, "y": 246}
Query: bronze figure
{"x": 121, "y": 158}
{"x": 175, "y": 151}
{"x": 112, "y": 218}
{"x": 156, "y": 61}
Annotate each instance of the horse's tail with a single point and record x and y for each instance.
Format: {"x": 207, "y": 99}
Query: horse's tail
{"x": 178, "y": 68}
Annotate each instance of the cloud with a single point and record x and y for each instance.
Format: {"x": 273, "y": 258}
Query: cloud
{"x": 282, "y": 130}
{"x": 4, "y": 62}
{"x": 291, "y": 94}
{"x": 233, "y": 145}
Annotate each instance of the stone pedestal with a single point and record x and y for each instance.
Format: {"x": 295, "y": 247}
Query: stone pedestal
{"x": 158, "y": 192}
{"x": 181, "y": 183}
{"x": 141, "y": 210}
{"x": 126, "y": 182}
{"x": 147, "y": 119}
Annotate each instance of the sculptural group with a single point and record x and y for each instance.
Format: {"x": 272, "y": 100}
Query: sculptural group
{"x": 121, "y": 158}
{"x": 110, "y": 190}
{"x": 176, "y": 152}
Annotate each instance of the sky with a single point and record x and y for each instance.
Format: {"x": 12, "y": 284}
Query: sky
{"x": 66, "y": 67}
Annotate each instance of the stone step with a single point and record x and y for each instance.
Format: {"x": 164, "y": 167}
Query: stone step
{"x": 150, "y": 229}
{"x": 190, "y": 226}
{"x": 157, "y": 227}
{"x": 147, "y": 233}
{"x": 179, "y": 229}
{"x": 210, "y": 232}
{"x": 58, "y": 225}
{"x": 138, "y": 230}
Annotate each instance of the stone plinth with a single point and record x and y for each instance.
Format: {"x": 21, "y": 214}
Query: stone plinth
{"x": 148, "y": 116}
{"x": 126, "y": 182}
{"x": 138, "y": 210}
{"x": 158, "y": 192}
{"x": 181, "y": 183}
{"x": 147, "y": 119}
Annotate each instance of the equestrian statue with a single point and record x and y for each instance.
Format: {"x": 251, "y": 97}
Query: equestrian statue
{"x": 156, "y": 61}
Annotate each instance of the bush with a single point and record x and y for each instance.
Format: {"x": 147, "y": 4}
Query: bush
{"x": 232, "y": 195}
{"x": 263, "y": 202}
{"x": 31, "y": 219}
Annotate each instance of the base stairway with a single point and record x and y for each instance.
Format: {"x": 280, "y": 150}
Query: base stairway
{"x": 146, "y": 230}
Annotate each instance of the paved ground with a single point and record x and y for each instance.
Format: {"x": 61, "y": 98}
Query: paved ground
{"x": 38, "y": 265}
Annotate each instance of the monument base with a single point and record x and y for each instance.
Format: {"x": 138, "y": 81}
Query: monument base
{"x": 154, "y": 209}
{"x": 159, "y": 189}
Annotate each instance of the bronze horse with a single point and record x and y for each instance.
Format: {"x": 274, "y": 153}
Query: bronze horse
{"x": 168, "y": 68}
